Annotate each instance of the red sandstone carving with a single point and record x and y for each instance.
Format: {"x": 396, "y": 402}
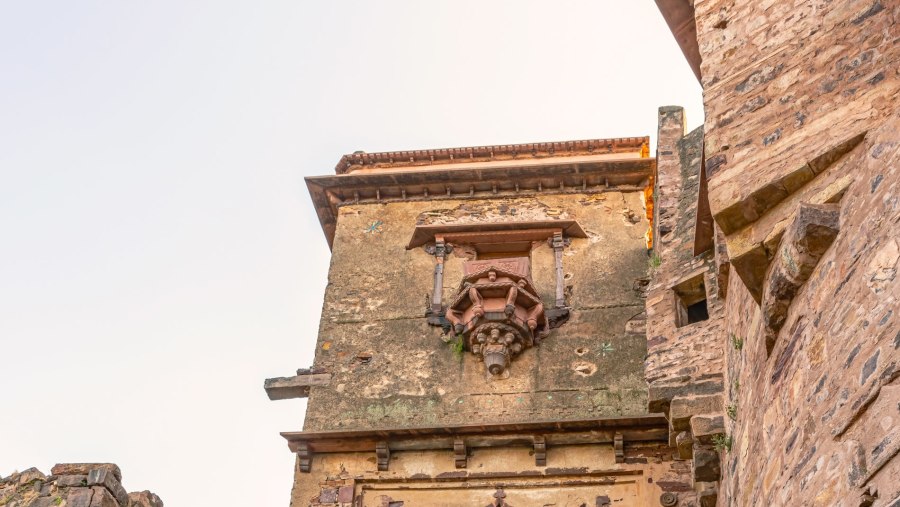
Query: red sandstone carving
{"x": 497, "y": 311}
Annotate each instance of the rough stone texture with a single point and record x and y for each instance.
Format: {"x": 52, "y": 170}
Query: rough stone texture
{"x": 72, "y": 485}
{"x": 789, "y": 88}
{"x": 811, "y": 232}
{"x": 705, "y": 427}
{"x": 687, "y": 360}
{"x": 801, "y": 107}
{"x": 707, "y": 493}
{"x": 706, "y": 465}
{"x": 375, "y": 306}
{"x": 813, "y": 418}
{"x": 683, "y": 409}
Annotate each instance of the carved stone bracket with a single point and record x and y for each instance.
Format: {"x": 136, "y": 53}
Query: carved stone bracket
{"x": 460, "y": 454}
{"x": 304, "y": 457}
{"x": 619, "y": 448}
{"x": 540, "y": 451}
{"x": 497, "y": 311}
{"x": 382, "y": 456}
{"x": 813, "y": 230}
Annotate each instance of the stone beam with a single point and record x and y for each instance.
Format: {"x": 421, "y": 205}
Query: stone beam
{"x": 286, "y": 388}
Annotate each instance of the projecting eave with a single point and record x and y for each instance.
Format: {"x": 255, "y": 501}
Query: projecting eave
{"x": 572, "y": 174}
{"x": 679, "y": 15}
{"x": 635, "y": 428}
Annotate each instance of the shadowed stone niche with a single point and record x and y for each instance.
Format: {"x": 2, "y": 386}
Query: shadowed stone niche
{"x": 497, "y": 312}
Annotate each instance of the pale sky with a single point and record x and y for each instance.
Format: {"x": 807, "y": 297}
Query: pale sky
{"x": 159, "y": 254}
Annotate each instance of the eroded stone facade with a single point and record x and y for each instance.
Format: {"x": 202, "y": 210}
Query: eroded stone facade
{"x": 390, "y": 368}
{"x": 801, "y": 161}
{"x": 72, "y": 485}
{"x": 483, "y": 342}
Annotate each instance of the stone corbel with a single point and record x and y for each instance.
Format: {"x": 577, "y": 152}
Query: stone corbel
{"x": 460, "y": 453}
{"x": 382, "y": 456}
{"x": 286, "y": 388}
{"x": 540, "y": 451}
{"x": 619, "y": 448}
{"x": 812, "y": 231}
{"x": 304, "y": 457}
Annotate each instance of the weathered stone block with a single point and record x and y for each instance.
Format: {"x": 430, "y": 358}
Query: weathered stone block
{"x": 105, "y": 478}
{"x": 703, "y": 427}
{"x": 345, "y": 494}
{"x": 79, "y": 497}
{"x": 103, "y": 498}
{"x": 328, "y": 495}
{"x": 85, "y": 468}
{"x": 706, "y": 465}
{"x": 707, "y": 493}
{"x": 684, "y": 442}
{"x": 72, "y": 481}
{"x": 660, "y": 396}
{"x": 809, "y": 236}
{"x": 683, "y": 409}
{"x": 30, "y": 475}
{"x": 144, "y": 499}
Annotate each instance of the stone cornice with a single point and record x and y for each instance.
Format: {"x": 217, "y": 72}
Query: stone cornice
{"x": 598, "y": 172}
{"x": 480, "y": 154}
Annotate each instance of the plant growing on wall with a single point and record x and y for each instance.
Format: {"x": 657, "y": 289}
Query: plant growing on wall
{"x": 457, "y": 346}
{"x": 655, "y": 261}
{"x": 738, "y": 343}
{"x": 722, "y": 442}
{"x": 731, "y": 410}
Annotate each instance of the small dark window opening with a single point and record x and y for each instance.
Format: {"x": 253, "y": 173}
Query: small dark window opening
{"x": 697, "y": 312}
{"x": 690, "y": 301}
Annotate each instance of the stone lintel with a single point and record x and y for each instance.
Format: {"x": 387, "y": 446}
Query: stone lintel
{"x": 495, "y": 232}
{"x": 285, "y": 388}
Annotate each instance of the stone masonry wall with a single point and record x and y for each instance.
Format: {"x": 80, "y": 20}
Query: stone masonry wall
{"x": 817, "y": 421}
{"x": 72, "y": 485}
{"x": 801, "y": 125}
{"x": 391, "y": 369}
{"x": 685, "y": 363}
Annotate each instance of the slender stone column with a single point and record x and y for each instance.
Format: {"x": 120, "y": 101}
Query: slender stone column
{"x": 440, "y": 251}
{"x": 557, "y": 243}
